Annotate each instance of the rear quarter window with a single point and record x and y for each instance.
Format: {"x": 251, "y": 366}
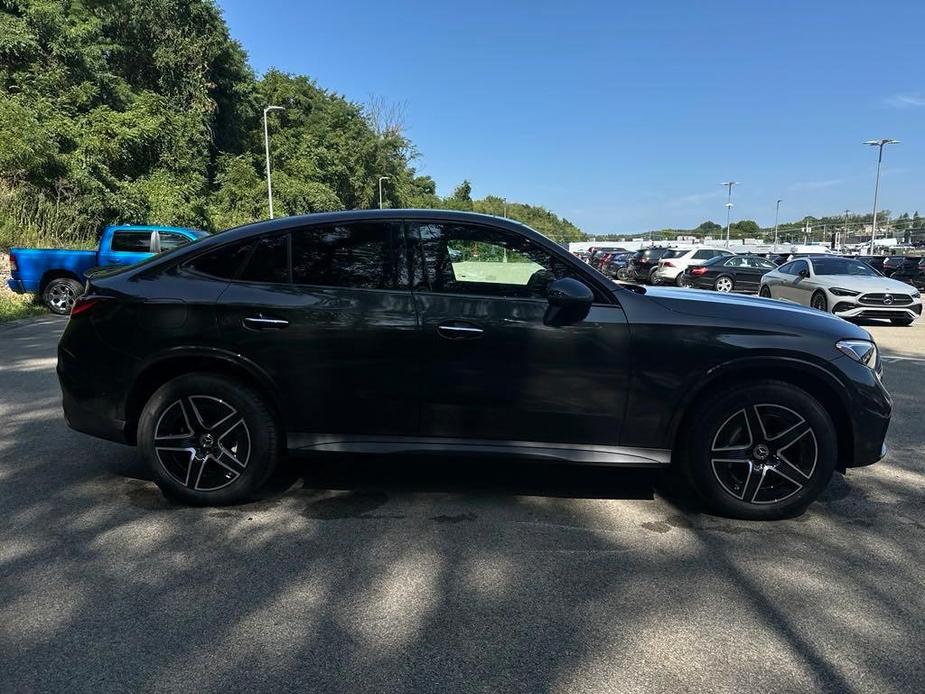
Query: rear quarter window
{"x": 223, "y": 263}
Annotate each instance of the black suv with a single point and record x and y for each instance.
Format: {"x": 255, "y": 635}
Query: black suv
{"x": 644, "y": 263}
{"x": 405, "y": 331}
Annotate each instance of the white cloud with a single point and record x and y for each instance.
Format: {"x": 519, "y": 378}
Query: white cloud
{"x": 908, "y": 100}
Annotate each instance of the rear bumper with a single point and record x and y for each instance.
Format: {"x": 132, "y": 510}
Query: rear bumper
{"x": 93, "y": 398}
{"x": 667, "y": 274}
{"x": 21, "y": 287}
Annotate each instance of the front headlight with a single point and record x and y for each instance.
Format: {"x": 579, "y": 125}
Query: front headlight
{"x": 843, "y": 292}
{"x": 862, "y": 351}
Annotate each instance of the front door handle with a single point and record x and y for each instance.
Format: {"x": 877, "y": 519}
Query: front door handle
{"x": 459, "y": 330}
{"x": 261, "y": 323}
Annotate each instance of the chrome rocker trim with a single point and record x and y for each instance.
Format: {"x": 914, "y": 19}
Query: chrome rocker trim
{"x": 622, "y": 456}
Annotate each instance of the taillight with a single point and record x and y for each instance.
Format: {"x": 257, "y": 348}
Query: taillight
{"x": 698, "y": 271}
{"x": 14, "y": 266}
{"x": 84, "y": 304}
{"x": 667, "y": 263}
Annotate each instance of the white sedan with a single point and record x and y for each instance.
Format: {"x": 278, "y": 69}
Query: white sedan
{"x": 847, "y": 287}
{"x": 671, "y": 266}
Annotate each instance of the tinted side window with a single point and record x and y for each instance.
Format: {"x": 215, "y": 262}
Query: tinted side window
{"x": 798, "y": 266}
{"x": 132, "y": 241}
{"x": 786, "y": 269}
{"x": 703, "y": 255}
{"x": 467, "y": 259}
{"x": 171, "y": 240}
{"x": 224, "y": 262}
{"x": 269, "y": 262}
{"x": 357, "y": 255}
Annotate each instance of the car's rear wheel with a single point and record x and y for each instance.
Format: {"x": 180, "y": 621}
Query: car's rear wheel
{"x": 723, "y": 283}
{"x": 208, "y": 440}
{"x": 819, "y": 302}
{"x": 764, "y": 291}
{"x": 762, "y": 451}
{"x": 60, "y": 294}
{"x": 902, "y": 321}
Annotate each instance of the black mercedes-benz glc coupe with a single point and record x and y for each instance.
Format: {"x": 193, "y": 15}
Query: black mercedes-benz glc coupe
{"x": 404, "y": 331}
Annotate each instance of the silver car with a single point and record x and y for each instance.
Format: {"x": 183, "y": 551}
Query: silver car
{"x": 847, "y": 287}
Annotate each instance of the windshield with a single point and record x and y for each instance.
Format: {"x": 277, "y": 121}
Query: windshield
{"x": 843, "y": 266}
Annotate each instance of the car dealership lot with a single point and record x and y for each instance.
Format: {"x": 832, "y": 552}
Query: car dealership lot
{"x": 425, "y": 574}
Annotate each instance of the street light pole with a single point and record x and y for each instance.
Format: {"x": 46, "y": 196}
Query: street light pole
{"x": 729, "y": 185}
{"x": 266, "y": 146}
{"x": 381, "y": 179}
{"x": 879, "y": 144}
{"x": 776, "y": 219}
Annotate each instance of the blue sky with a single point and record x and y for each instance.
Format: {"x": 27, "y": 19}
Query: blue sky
{"x": 626, "y": 116}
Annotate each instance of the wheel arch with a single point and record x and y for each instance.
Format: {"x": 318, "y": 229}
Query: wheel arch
{"x": 51, "y": 275}
{"x": 156, "y": 373}
{"x": 803, "y": 375}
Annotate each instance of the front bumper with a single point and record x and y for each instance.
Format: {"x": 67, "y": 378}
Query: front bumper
{"x": 857, "y": 311}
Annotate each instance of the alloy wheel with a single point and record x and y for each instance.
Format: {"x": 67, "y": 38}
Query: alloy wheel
{"x": 724, "y": 284}
{"x": 202, "y": 442}
{"x": 764, "y": 454}
{"x": 819, "y": 303}
{"x": 61, "y": 297}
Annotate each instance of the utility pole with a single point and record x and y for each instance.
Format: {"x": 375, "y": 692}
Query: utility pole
{"x": 729, "y": 185}
{"x": 776, "y": 219}
{"x": 846, "y": 227}
{"x": 266, "y": 146}
{"x": 880, "y": 144}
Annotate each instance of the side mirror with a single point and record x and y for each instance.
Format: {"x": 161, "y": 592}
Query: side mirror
{"x": 569, "y": 302}
{"x": 804, "y": 273}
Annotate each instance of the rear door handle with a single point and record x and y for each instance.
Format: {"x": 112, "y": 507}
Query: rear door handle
{"x": 261, "y": 323}
{"x": 459, "y": 330}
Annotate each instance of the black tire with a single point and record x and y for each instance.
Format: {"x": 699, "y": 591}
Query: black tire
{"x": 227, "y": 468}
{"x": 902, "y": 321}
{"x": 722, "y": 282}
{"x": 60, "y": 294}
{"x": 680, "y": 281}
{"x": 819, "y": 302}
{"x": 762, "y": 451}
{"x": 764, "y": 292}
{"x": 652, "y": 279}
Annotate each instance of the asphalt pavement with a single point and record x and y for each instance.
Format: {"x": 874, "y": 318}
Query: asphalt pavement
{"x": 360, "y": 574}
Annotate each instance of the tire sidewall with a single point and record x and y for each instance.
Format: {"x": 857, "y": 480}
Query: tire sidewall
{"x": 765, "y": 292}
{"x": 263, "y": 431}
{"x": 825, "y": 301}
{"x": 697, "y": 464}
{"x": 75, "y": 286}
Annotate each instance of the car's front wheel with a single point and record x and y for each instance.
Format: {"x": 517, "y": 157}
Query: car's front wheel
{"x": 208, "y": 440}
{"x": 762, "y": 451}
{"x": 683, "y": 280}
{"x": 765, "y": 291}
{"x": 819, "y": 302}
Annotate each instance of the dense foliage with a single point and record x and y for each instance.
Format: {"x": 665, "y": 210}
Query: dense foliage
{"x": 147, "y": 111}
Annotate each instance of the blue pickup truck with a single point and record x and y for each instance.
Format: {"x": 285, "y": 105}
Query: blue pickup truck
{"x": 58, "y": 275}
